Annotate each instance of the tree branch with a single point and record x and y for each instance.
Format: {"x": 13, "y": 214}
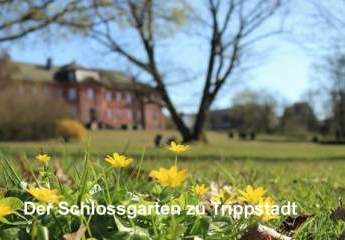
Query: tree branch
{"x": 41, "y": 23}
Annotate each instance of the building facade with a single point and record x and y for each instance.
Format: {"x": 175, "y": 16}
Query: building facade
{"x": 218, "y": 119}
{"x": 98, "y": 98}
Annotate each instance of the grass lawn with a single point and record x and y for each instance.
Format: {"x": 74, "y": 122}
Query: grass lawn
{"x": 313, "y": 175}
{"x": 218, "y": 147}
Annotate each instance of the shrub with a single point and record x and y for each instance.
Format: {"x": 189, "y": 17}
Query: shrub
{"x": 315, "y": 139}
{"x": 70, "y": 129}
{"x": 231, "y": 135}
{"x": 242, "y": 135}
{"x": 28, "y": 114}
{"x": 252, "y": 135}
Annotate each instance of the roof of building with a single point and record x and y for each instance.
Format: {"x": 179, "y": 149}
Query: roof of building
{"x": 32, "y": 72}
{"x": 41, "y": 73}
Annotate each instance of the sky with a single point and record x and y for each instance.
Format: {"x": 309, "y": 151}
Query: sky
{"x": 284, "y": 69}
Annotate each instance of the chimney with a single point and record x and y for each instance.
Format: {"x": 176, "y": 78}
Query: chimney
{"x": 49, "y": 63}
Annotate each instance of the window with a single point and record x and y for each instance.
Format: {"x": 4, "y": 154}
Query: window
{"x": 129, "y": 114}
{"x": 118, "y": 96}
{"x": 72, "y": 93}
{"x": 90, "y": 93}
{"x": 109, "y": 113}
{"x": 128, "y": 97}
{"x": 153, "y": 98}
{"x": 124, "y": 96}
{"x": 108, "y": 95}
{"x": 71, "y": 76}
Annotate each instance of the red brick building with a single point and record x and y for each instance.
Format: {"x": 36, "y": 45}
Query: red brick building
{"x": 97, "y": 97}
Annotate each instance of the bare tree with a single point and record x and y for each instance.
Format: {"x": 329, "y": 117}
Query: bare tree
{"x": 232, "y": 25}
{"x": 333, "y": 85}
{"x": 330, "y": 17}
{"x": 19, "y": 18}
{"x": 330, "y": 69}
{"x": 254, "y": 111}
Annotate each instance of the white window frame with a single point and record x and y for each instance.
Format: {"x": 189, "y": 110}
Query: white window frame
{"x": 129, "y": 97}
{"x": 129, "y": 114}
{"x": 118, "y": 96}
{"x": 108, "y": 95}
{"x": 90, "y": 93}
{"x": 72, "y": 93}
{"x": 109, "y": 113}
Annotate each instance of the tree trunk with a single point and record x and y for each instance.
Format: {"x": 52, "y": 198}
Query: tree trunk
{"x": 176, "y": 117}
{"x": 199, "y": 126}
{"x": 198, "y": 130}
{"x": 182, "y": 128}
{"x": 142, "y": 112}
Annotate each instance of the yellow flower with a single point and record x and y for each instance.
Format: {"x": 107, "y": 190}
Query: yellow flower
{"x": 199, "y": 190}
{"x": 118, "y": 160}
{"x": 44, "y": 194}
{"x": 169, "y": 177}
{"x": 225, "y": 196}
{"x": 266, "y": 206}
{"x": 43, "y": 158}
{"x": 252, "y": 195}
{"x": 178, "y": 148}
{"x": 5, "y": 209}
